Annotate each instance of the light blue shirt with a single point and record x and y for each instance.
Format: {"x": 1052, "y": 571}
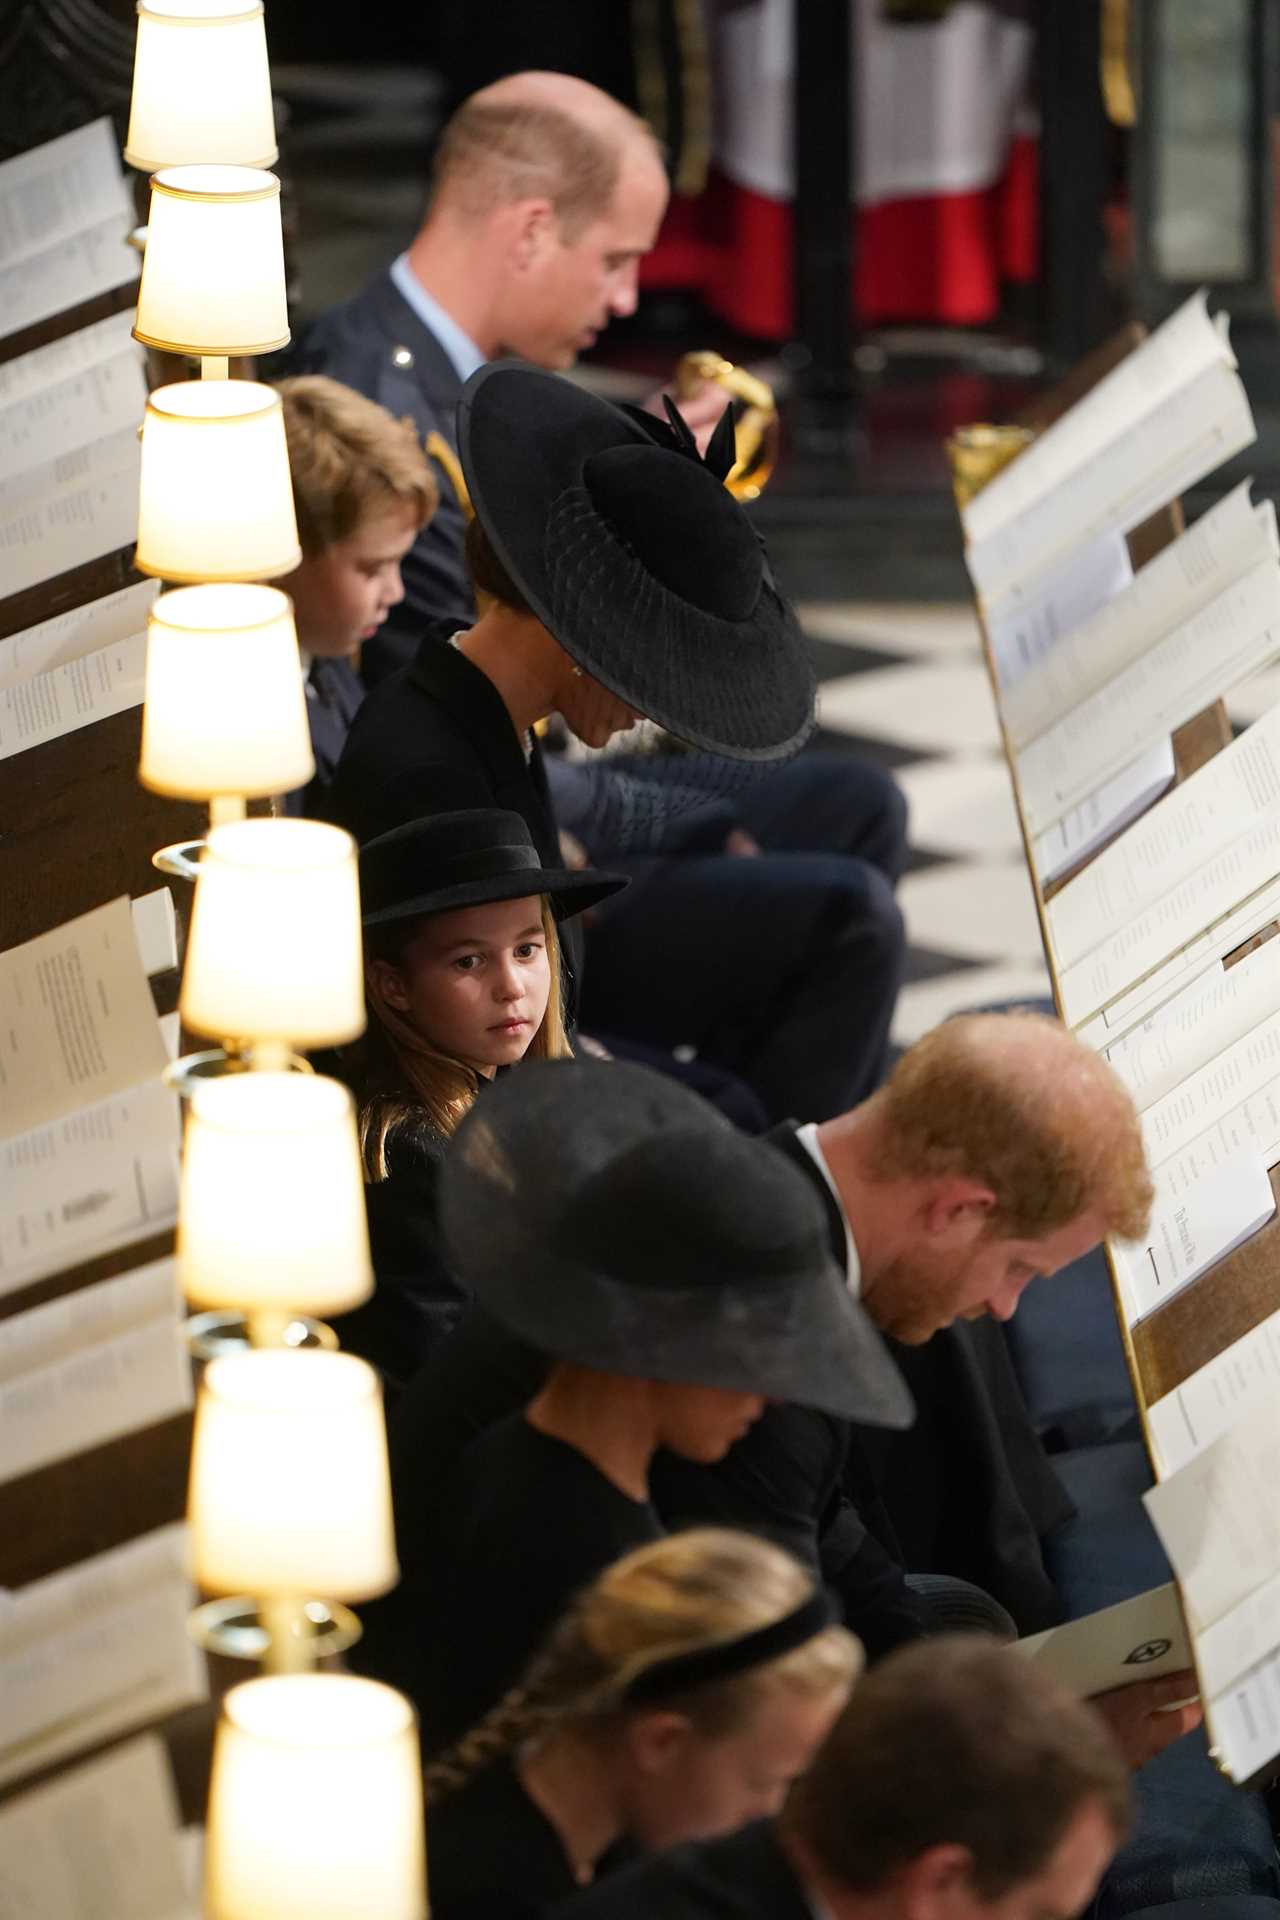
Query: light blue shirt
{"x": 460, "y": 347}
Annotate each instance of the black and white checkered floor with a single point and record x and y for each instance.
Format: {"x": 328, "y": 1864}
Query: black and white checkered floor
{"x": 904, "y": 684}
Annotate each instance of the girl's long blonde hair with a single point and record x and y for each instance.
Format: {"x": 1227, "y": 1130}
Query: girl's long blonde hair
{"x": 678, "y": 1595}
{"x": 409, "y": 1083}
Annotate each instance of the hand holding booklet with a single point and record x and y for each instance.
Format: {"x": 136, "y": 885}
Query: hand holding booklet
{"x": 1144, "y": 1638}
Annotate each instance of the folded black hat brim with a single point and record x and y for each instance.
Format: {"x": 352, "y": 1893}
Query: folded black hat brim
{"x": 739, "y": 688}
{"x": 570, "y": 893}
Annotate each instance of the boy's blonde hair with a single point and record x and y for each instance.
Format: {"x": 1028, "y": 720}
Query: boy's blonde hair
{"x": 349, "y": 459}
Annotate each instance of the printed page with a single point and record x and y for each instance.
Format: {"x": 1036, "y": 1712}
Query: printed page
{"x": 1185, "y": 345}
{"x": 95, "y": 1651}
{"x": 77, "y": 1021}
{"x": 1219, "y": 1521}
{"x": 1139, "y": 1639}
{"x": 70, "y": 636}
{"x": 1205, "y": 1097}
{"x": 30, "y": 373}
{"x": 1104, "y": 813}
{"x": 1208, "y": 1201}
{"x": 1025, "y": 633}
{"x": 1244, "y": 1722}
{"x": 88, "y": 1317}
{"x": 61, "y": 530}
{"x": 1235, "y": 791}
{"x": 1169, "y": 591}
{"x": 1205, "y": 954}
{"x": 101, "y": 1843}
{"x": 1243, "y": 1376}
{"x": 1234, "y": 636}
{"x": 65, "y": 275}
{"x": 1171, "y": 449}
{"x": 103, "y": 399}
{"x": 1196, "y": 1026}
{"x": 103, "y": 1177}
{"x": 53, "y": 191}
{"x": 53, "y": 479}
{"x": 110, "y": 681}
{"x": 94, "y": 1395}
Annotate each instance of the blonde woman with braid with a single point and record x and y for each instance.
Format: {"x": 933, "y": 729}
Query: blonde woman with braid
{"x": 679, "y": 1697}
{"x": 462, "y": 982}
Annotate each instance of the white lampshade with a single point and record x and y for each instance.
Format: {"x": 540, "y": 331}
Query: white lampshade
{"x": 274, "y": 948}
{"x": 315, "y": 1803}
{"x": 213, "y": 270}
{"x": 225, "y": 709}
{"x": 201, "y": 87}
{"x": 215, "y": 500}
{"x": 289, "y": 1492}
{"x": 272, "y": 1209}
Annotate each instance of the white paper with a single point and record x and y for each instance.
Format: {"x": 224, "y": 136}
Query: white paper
{"x": 1205, "y": 1206}
{"x": 1243, "y": 1376}
{"x": 98, "y": 1650}
{"x": 1239, "y": 788}
{"x": 1217, "y": 908}
{"x": 95, "y": 1394}
{"x": 30, "y": 373}
{"x": 77, "y": 1021}
{"x": 1024, "y": 634}
{"x": 1219, "y": 1520}
{"x": 1170, "y": 590}
{"x": 1142, "y": 1638}
{"x": 65, "y": 275}
{"x": 1170, "y": 450}
{"x": 100, "y": 1178}
{"x": 65, "y": 528}
{"x": 87, "y": 1317}
{"x": 1105, "y": 812}
{"x": 171, "y": 1033}
{"x": 103, "y": 399}
{"x": 155, "y": 928}
{"x": 1186, "y": 344}
{"x": 55, "y": 190}
{"x": 1236, "y": 635}
{"x": 104, "y": 683}
{"x": 55, "y": 477}
{"x": 100, "y": 1843}
{"x": 1244, "y": 1722}
{"x": 1195, "y": 1026}
{"x": 1203, "y": 1098}
{"x": 70, "y": 636}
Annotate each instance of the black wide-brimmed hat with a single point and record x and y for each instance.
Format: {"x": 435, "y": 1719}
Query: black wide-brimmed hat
{"x": 634, "y": 556}
{"x": 612, "y": 1218}
{"x": 465, "y": 860}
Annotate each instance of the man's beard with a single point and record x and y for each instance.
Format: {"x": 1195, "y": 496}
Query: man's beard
{"x": 917, "y": 1295}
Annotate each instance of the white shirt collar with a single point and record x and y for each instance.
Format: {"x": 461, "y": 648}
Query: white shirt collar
{"x": 808, "y": 1139}
{"x": 459, "y": 346}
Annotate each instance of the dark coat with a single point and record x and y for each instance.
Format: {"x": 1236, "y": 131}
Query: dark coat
{"x": 376, "y": 343}
{"x": 746, "y": 1876}
{"x": 436, "y": 737}
{"x": 335, "y": 693}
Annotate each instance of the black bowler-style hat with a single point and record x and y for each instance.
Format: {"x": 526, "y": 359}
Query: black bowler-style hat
{"x": 631, "y": 552}
{"x": 610, "y": 1217}
{"x": 465, "y": 860}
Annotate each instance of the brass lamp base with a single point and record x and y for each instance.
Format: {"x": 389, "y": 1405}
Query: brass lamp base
{"x": 240, "y": 1628}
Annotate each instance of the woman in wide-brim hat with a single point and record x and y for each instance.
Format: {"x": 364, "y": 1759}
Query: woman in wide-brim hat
{"x": 677, "y": 1276}
{"x": 462, "y": 982}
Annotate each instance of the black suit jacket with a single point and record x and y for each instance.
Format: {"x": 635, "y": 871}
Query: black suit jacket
{"x": 746, "y": 1876}
{"x": 335, "y": 694}
{"x": 376, "y": 343}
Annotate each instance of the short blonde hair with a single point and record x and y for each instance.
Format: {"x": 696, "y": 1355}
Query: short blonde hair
{"x": 1019, "y": 1105}
{"x": 349, "y": 459}
{"x": 678, "y": 1595}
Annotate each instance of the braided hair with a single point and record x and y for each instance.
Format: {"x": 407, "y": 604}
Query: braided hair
{"x": 674, "y": 1596}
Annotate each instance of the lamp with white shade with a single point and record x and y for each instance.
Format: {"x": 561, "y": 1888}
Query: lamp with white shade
{"x": 315, "y": 1805}
{"x": 201, "y": 87}
{"x": 289, "y": 1500}
{"x": 274, "y": 957}
{"x": 224, "y": 718}
{"x": 213, "y": 271}
{"x": 215, "y": 499}
{"x": 294, "y": 1239}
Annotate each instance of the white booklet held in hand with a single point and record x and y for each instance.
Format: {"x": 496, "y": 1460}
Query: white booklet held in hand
{"x": 1139, "y": 1639}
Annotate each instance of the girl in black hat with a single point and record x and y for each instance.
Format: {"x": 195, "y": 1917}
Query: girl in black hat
{"x": 463, "y": 981}
{"x": 680, "y": 1697}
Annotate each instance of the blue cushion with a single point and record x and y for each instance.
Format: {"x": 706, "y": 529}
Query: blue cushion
{"x": 1069, "y": 1357}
